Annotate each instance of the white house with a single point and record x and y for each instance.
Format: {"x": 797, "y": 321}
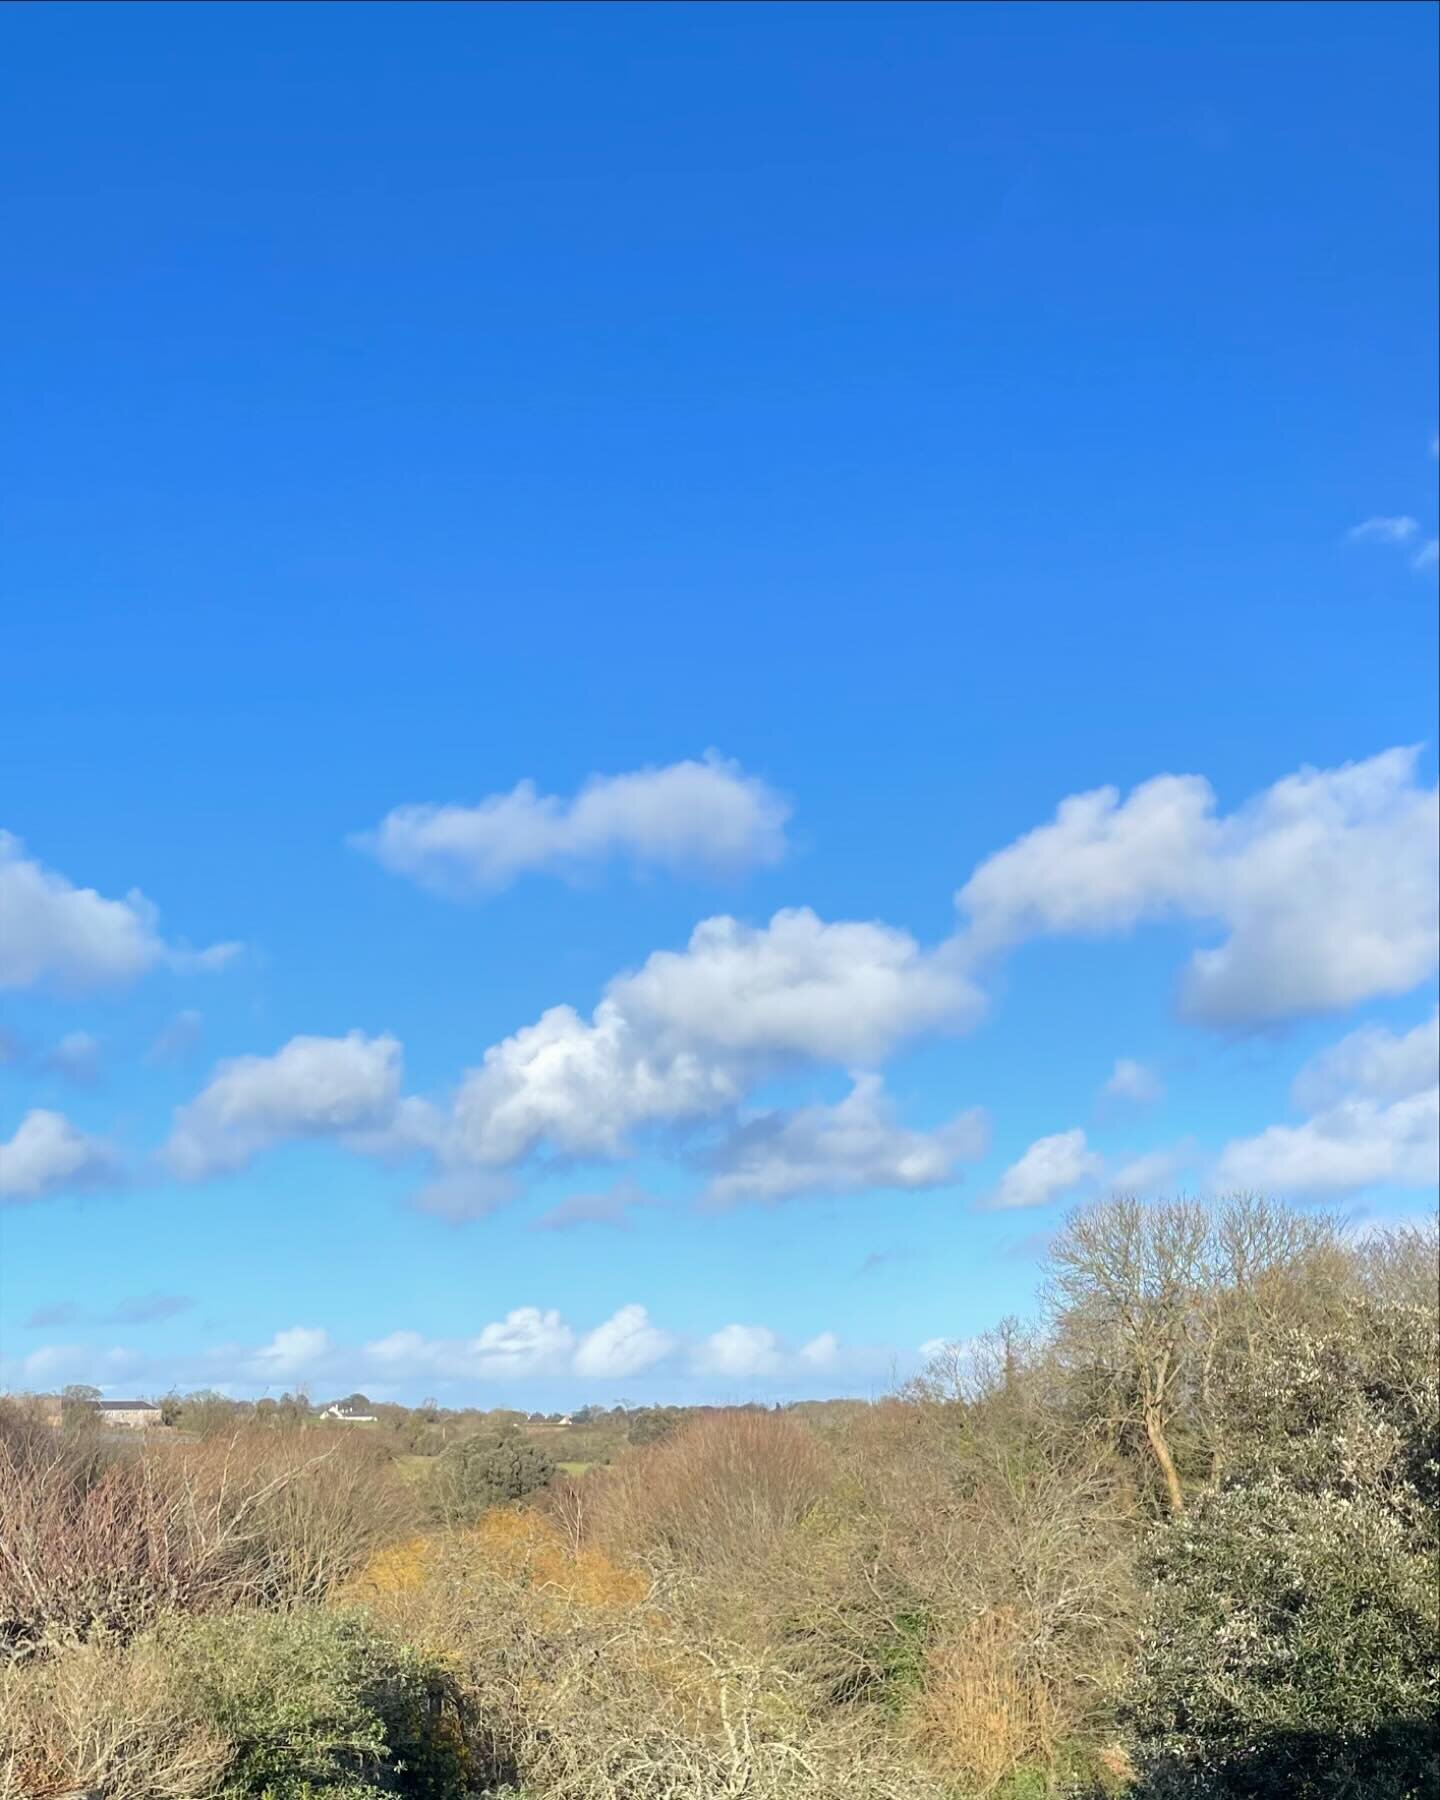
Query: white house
{"x": 345, "y": 1416}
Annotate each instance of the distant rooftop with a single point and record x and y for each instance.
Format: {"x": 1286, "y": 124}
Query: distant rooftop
{"x": 125, "y": 1406}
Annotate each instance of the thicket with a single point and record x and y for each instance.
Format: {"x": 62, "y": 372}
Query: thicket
{"x": 1176, "y": 1540}
{"x": 489, "y": 1469}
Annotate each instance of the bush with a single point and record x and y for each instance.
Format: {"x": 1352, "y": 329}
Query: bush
{"x": 252, "y": 1706}
{"x": 720, "y": 1490}
{"x": 575, "y": 1685}
{"x": 318, "y": 1700}
{"x": 491, "y": 1468}
{"x": 109, "y": 1538}
{"x": 103, "y": 1718}
{"x": 1291, "y": 1650}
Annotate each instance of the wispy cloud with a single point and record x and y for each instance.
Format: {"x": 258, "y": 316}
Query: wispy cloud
{"x": 138, "y": 1309}
{"x": 1397, "y": 530}
{"x": 76, "y": 1057}
{"x": 613, "y": 1207}
{"x": 1134, "y": 1083}
{"x": 177, "y": 1039}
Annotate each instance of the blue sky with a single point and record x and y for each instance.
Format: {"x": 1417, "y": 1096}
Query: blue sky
{"x": 811, "y": 446}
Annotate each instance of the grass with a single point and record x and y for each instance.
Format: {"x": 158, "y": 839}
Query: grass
{"x": 575, "y": 1468}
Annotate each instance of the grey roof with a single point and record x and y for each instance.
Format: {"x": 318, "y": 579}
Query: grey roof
{"x": 126, "y": 1405}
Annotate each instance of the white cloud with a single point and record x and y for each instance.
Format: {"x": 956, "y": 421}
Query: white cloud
{"x": 52, "y": 931}
{"x": 623, "y": 1345}
{"x": 528, "y": 1341}
{"x": 289, "y": 1353}
{"x": 310, "y": 1087}
{"x": 1131, "y": 1081}
{"x": 740, "y": 1350}
{"x": 1427, "y": 555}
{"x": 821, "y": 1352}
{"x": 521, "y": 1343}
{"x": 707, "y": 815}
{"x": 1374, "y": 1121}
{"x": 1373, "y": 1062}
{"x": 840, "y": 1149}
{"x": 685, "y": 1035}
{"x": 1326, "y": 884}
{"x": 528, "y": 1344}
{"x": 1384, "y": 530}
{"x": 48, "y": 1155}
{"x": 1052, "y": 1166}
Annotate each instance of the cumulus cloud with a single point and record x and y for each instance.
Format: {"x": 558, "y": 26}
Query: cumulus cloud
{"x": 685, "y": 1035}
{"x": 1374, "y": 1101}
{"x": 528, "y": 1341}
{"x": 290, "y": 1353}
{"x": 74, "y": 938}
{"x": 1325, "y": 884}
{"x": 1375, "y": 1062}
{"x": 48, "y": 1155}
{"x": 612, "y": 1207}
{"x": 623, "y": 1345}
{"x": 1051, "y": 1167}
{"x": 739, "y": 1351}
{"x": 821, "y": 1352}
{"x": 1384, "y": 530}
{"x": 1132, "y": 1082}
{"x": 845, "y": 1148}
{"x": 706, "y": 815}
{"x": 311, "y": 1087}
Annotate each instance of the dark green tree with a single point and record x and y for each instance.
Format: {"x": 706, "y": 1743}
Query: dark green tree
{"x": 489, "y": 1468}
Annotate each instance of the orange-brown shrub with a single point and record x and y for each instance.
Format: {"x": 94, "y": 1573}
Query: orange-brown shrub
{"x": 718, "y": 1492}
{"x": 984, "y": 1712}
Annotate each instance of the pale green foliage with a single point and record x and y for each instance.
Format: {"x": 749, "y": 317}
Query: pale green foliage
{"x": 309, "y": 1700}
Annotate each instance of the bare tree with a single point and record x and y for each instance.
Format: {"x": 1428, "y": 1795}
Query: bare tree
{"x": 1127, "y": 1282}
